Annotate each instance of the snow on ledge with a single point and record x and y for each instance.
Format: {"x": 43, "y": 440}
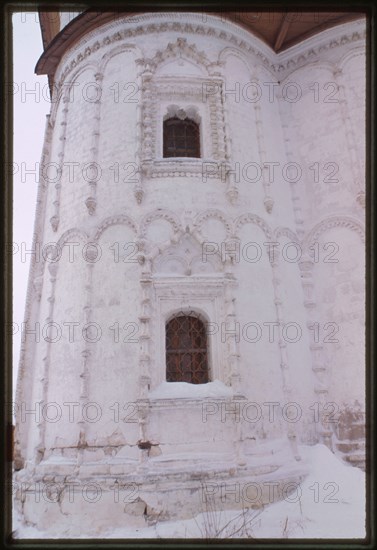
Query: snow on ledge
{"x": 184, "y": 390}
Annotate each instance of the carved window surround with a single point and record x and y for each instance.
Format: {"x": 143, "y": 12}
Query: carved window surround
{"x": 188, "y": 94}
{"x": 205, "y": 296}
{"x": 180, "y": 167}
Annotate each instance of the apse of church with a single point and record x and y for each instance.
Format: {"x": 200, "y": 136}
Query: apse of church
{"x": 203, "y": 314}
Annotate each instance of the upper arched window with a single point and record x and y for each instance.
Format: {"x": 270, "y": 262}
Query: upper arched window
{"x": 181, "y": 138}
{"x": 186, "y": 350}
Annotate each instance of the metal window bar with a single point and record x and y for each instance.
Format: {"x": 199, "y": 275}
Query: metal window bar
{"x": 186, "y": 350}
{"x": 181, "y": 138}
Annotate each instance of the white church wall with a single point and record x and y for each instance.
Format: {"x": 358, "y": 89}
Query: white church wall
{"x": 323, "y": 146}
{"x": 165, "y": 216}
{"x": 78, "y": 138}
{"x": 65, "y": 352}
{"x": 114, "y": 362}
{"x": 117, "y": 147}
{"x": 274, "y": 159}
{"x": 296, "y": 338}
{"x": 260, "y": 358}
{"x": 340, "y": 306}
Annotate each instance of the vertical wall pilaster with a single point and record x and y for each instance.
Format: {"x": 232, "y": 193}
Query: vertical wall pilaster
{"x": 357, "y": 175}
{"x": 91, "y": 201}
{"x": 53, "y": 271}
{"x": 286, "y": 375}
{"x": 319, "y": 367}
{"x": 268, "y": 201}
{"x": 55, "y": 219}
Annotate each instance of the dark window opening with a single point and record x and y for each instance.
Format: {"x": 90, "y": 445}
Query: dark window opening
{"x": 181, "y": 138}
{"x": 186, "y": 350}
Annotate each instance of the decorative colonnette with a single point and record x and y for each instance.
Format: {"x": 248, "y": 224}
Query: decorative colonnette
{"x": 148, "y": 252}
{"x": 91, "y": 201}
{"x": 357, "y": 174}
{"x": 154, "y": 88}
{"x": 55, "y": 219}
{"x": 277, "y": 63}
{"x": 306, "y": 265}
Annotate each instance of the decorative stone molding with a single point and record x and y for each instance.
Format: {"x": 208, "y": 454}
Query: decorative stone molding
{"x": 58, "y": 95}
{"x": 74, "y": 233}
{"x": 118, "y": 49}
{"x": 319, "y": 367}
{"x": 53, "y": 251}
{"x": 180, "y": 90}
{"x": 357, "y": 174}
{"x": 180, "y": 48}
{"x": 86, "y": 352}
{"x": 91, "y": 201}
{"x": 190, "y": 112}
{"x": 254, "y": 219}
{"x": 43, "y": 388}
{"x": 286, "y": 232}
{"x": 287, "y": 382}
{"x": 160, "y": 214}
{"x": 167, "y": 26}
{"x": 55, "y": 219}
{"x": 91, "y": 204}
{"x": 268, "y": 201}
{"x": 209, "y": 113}
{"x": 231, "y": 50}
{"x": 212, "y": 213}
{"x": 177, "y": 167}
{"x": 38, "y": 284}
{"x": 233, "y": 356}
{"x": 144, "y": 381}
{"x": 315, "y": 52}
{"x": 276, "y": 63}
{"x": 232, "y": 194}
{"x": 333, "y": 222}
{"x": 185, "y": 258}
{"x": 297, "y": 211}
{"x": 139, "y": 194}
{"x": 268, "y": 204}
{"x": 203, "y": 295}
{"x": 120, "y": 219}
{"x": 360, "y": 198}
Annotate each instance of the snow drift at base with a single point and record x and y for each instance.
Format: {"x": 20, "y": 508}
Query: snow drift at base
{"x": 330, "y": 503}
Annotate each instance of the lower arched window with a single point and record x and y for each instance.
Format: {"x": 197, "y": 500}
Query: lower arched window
{"x": 186, "y": 350}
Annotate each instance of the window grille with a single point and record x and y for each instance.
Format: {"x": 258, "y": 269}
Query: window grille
{"x": 181, "y": 138}
{"x": 186, "y": 350}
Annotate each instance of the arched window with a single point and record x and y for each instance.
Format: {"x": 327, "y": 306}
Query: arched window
{"x": 181, "y": 138}
{"x": 186, "y": 350}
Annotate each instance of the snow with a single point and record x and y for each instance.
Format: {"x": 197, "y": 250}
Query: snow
{"x": 169, "y": 390}
{"x": 330, "y": 503}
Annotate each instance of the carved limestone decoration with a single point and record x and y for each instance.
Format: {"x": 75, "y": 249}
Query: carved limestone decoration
{"x": 120, "y": 219}
{"x": 160, "y": 214}
{"x": 91, "y": 205}
{"x": 38, "y": 283}
{"x": 54, "y": 221}
{"x": 273, "y": 62}
{"x": 361, "y": 199}
{"x": 268, "y": 204}
{"x": 186, "y": 258}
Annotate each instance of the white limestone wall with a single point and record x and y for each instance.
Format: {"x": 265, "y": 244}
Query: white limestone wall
{"x": 64, "y": 352}
{"x": 340, "y": 311}
{"x": 326, "y": 130}
{"x": 131, "y": 201}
